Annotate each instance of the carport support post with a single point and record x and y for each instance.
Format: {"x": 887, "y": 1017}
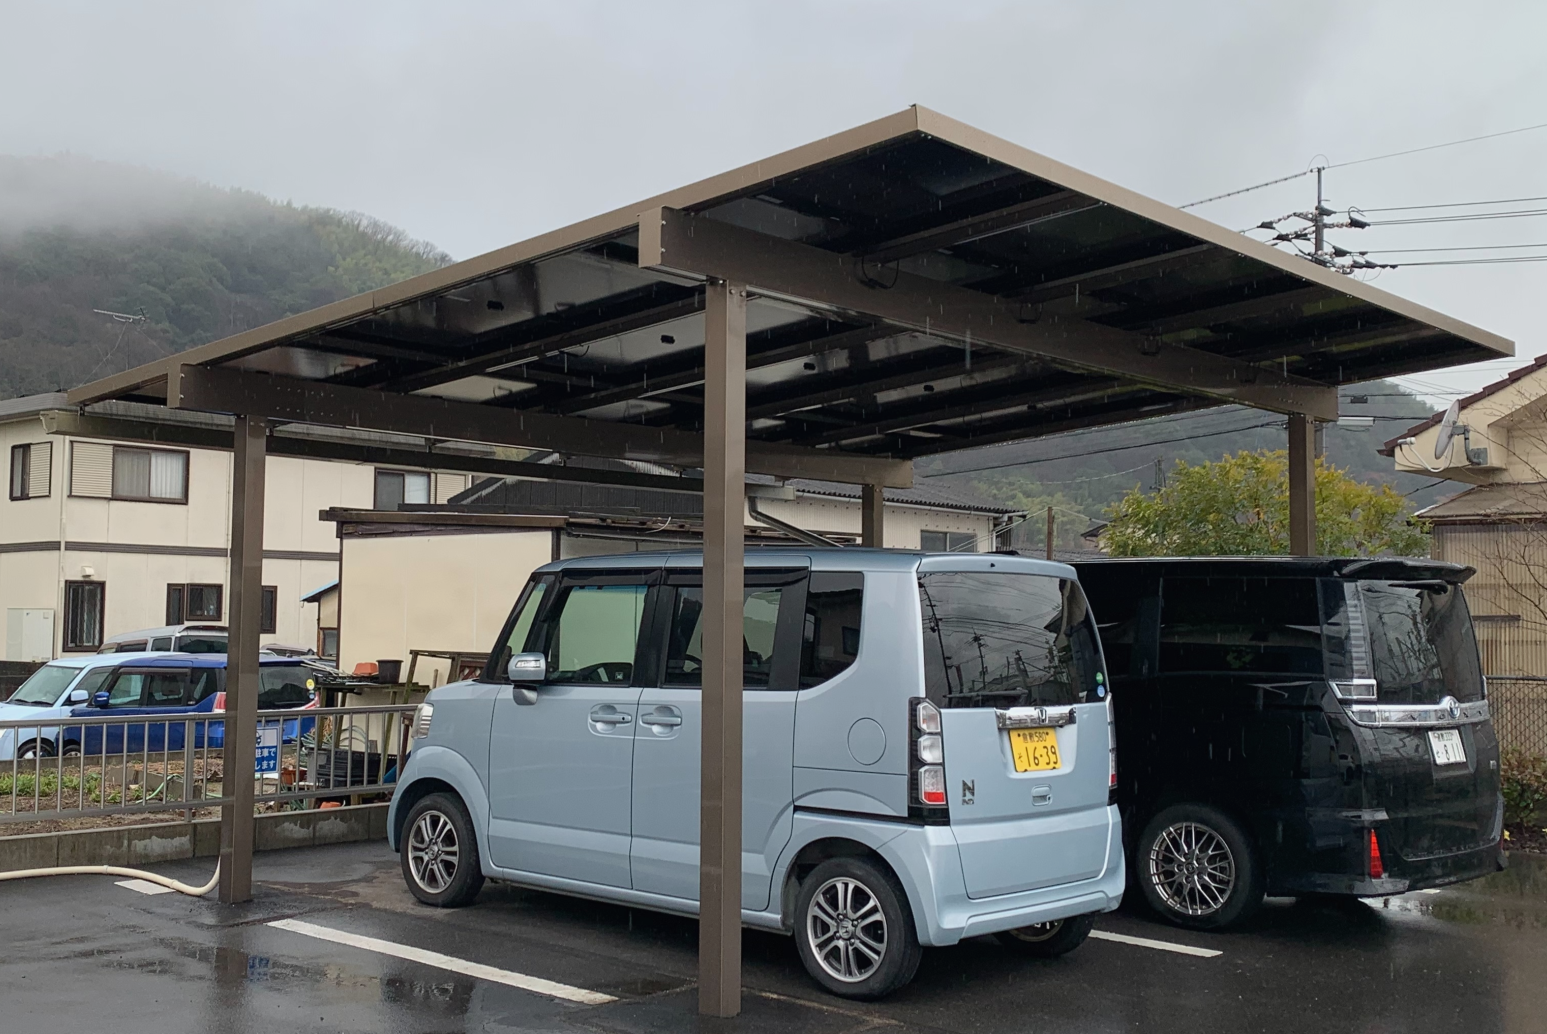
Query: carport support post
{"x": 872, "y": 520}
{"x": 241, "y": 724}
{"x": 1302, "y": 485}
{"x": 725, "y": 461}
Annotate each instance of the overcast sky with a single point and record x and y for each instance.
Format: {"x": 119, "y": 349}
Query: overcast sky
{"x": 474, "y": 125}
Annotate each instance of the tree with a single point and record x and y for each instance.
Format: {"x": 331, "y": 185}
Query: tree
{"x": 1239, "y": 506}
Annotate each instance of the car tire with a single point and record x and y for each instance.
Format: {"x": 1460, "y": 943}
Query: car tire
{"x": 34, "y": 749}
{"x": 440, "y": 852}
{"x": 1197, "y": 867}
{"x": 72, "y": 750}
{"x": 864, "y": 959}
{"x": 1049, "y": 940}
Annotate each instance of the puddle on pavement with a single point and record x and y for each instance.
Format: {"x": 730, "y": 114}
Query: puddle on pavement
{"x": 1516, "y": 897}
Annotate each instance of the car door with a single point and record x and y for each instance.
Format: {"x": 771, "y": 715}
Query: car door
{"x": 560, "y": 768}
{"x": 668, "y": 736}
{"x": 139, "y": 691}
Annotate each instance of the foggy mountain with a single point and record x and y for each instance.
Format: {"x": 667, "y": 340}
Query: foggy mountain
{"x": 198, "y": 262}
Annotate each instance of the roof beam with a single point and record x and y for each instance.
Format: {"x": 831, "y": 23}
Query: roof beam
{"x": 224, "y": 390}
{"x": 964, "y": 231}
{"x": 119, "y": 429}
{"x": 869, "y": 381}
{"x": 689, "y": 375}
{"x": 677, "y": 241}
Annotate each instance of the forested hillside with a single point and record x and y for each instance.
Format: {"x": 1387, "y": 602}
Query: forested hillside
{"x": 1084, "y": 472}
{"x": 197, "y": 262}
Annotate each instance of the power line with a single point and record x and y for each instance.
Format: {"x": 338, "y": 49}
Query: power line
{"x": 1471, "y": 217}
{"x": 1436, "y": 147}
{"x": 1361, "y": 161}
{"x": 1502, "y": 260}
{"x": 1477, "y": 247}
{"x": 1456, "y": 204}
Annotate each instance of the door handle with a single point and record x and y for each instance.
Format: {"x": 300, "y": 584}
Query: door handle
{"x": 1041, "y": 795}
{"x": 661, "y": 719}
{"x": 611, "y": 719}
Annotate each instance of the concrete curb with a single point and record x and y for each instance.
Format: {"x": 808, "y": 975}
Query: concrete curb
{"x": 172, "y": 841}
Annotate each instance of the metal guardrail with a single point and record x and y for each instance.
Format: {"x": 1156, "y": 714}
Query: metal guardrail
{"x": 132, "y": 764}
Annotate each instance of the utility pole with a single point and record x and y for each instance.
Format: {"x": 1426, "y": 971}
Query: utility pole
{"x": 1323, "y": 252}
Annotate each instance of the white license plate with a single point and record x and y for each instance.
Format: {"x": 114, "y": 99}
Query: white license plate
{"x": 1445, "y": 744}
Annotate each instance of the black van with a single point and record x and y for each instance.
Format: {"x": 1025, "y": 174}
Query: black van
{"x": 1294, "y": 726}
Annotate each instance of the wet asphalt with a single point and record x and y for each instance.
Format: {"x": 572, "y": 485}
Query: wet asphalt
{"x": 81, "y": 954}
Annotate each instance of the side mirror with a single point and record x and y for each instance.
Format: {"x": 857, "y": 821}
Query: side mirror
{"x": 100, "y": 699}
{"x": 526, "y": 670}
{"x": 78, "y": 696}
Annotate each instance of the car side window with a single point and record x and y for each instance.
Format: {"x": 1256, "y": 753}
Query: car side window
{"x": 830, "y": 630}
{"x": 127, "y": 690}
{"x": 166, "y": 688}
{"x": 92, "y": 681}
{"x": 759, "y": 632}
{"x": 592, "y": 631}
{"x": 205, "y": 683}
{"x": 1264, "y": 625}
{"x": 161, "y": 643}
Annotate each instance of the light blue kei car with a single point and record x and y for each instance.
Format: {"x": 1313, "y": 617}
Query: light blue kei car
{"x": 928, "y": 754}
{"x": 51, "y": 692}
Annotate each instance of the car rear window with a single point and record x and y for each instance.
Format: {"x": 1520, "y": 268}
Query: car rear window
{"x": 1415, "y": 639}
{"x": 201, "y": 644}
{"x": 1007, "y": 640}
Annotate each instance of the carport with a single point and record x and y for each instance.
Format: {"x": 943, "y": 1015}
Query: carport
{"x": 909, "y": 287}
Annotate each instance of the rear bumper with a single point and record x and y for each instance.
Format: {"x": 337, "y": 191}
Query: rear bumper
{"x": 1402, "y": 876}
{"x": 929, "y": 863}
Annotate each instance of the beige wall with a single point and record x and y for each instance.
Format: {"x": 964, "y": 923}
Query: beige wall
{"x": 1511, "y": 424}
{"x": 29, "y": 520}
{"x": 431, "y": 592}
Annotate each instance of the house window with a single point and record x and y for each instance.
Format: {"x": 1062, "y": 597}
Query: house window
{"x": 83, "y": 615}
{"x": 329, "y": 643}
{"x": 30, "y": 468}
{"x": 948, "y": 542}
{"x": 268, "y": 606}
{"x": 194, "y": 603}
{"x": 396, "y": 487}
{"x": 156, "y": 475}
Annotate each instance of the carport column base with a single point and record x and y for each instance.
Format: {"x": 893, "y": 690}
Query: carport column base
{"x": 1302, "y": 485}
{"x": 725, "y": 461}
{"x": 241, "y": 724}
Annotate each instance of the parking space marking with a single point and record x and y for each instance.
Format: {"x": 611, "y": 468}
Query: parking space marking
{"x": 1145, "y": 942}
{"x": 538, "y": 985}
{"x": 144, "y": 886}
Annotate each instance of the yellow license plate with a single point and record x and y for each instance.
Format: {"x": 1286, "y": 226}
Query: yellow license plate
{"x": 1034, "y": 750}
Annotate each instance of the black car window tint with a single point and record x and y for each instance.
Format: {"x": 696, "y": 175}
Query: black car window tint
{"x": 994, "y": 639}
{"x": 1422, "y": 646}
{"x": 760, "y": 620}
{"x": 830, "y": 629}
{"x": 1262, "y": 625}
{"x": 283, "y": 685}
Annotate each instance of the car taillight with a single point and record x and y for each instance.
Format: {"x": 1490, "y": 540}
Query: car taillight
{"x": 220, "y": 700}
{"x": 423, "y": 715}
{"x": 1111, "y": 751}
{"x": 1377, "y": 870}
{"x": 926, "y": 762}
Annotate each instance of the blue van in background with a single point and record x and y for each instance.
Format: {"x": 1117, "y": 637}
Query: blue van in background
{"x": 192, "y": 688}
{"x": 928, "y": 753}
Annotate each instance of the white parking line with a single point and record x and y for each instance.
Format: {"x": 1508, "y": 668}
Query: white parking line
{"x": 1145, "y": 942}
{"x": 144, "y": 886}
{"x": 434, "y": 958}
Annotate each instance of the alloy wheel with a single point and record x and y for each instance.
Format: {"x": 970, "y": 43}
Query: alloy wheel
{"x": 1192, "y": 869}
{"x": 846, "y": 929}
{"x": 433, "y": 851}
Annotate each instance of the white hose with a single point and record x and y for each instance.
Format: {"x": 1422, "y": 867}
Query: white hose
{"x": 115, "y": 870}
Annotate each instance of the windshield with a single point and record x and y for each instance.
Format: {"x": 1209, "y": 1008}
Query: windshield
{"x": 284, "y": 685}
{"x": 1414, "y": 639}
{"x": 1006, "y": 640}
{"x": 45, "y": 685}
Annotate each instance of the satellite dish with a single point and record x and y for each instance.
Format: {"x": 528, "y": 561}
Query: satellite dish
{"x": 1447, "y": 432}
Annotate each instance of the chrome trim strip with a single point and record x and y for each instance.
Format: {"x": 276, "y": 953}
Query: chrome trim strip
{"x": 1447, "y": 712}
{"x": 1034, "y": 717}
